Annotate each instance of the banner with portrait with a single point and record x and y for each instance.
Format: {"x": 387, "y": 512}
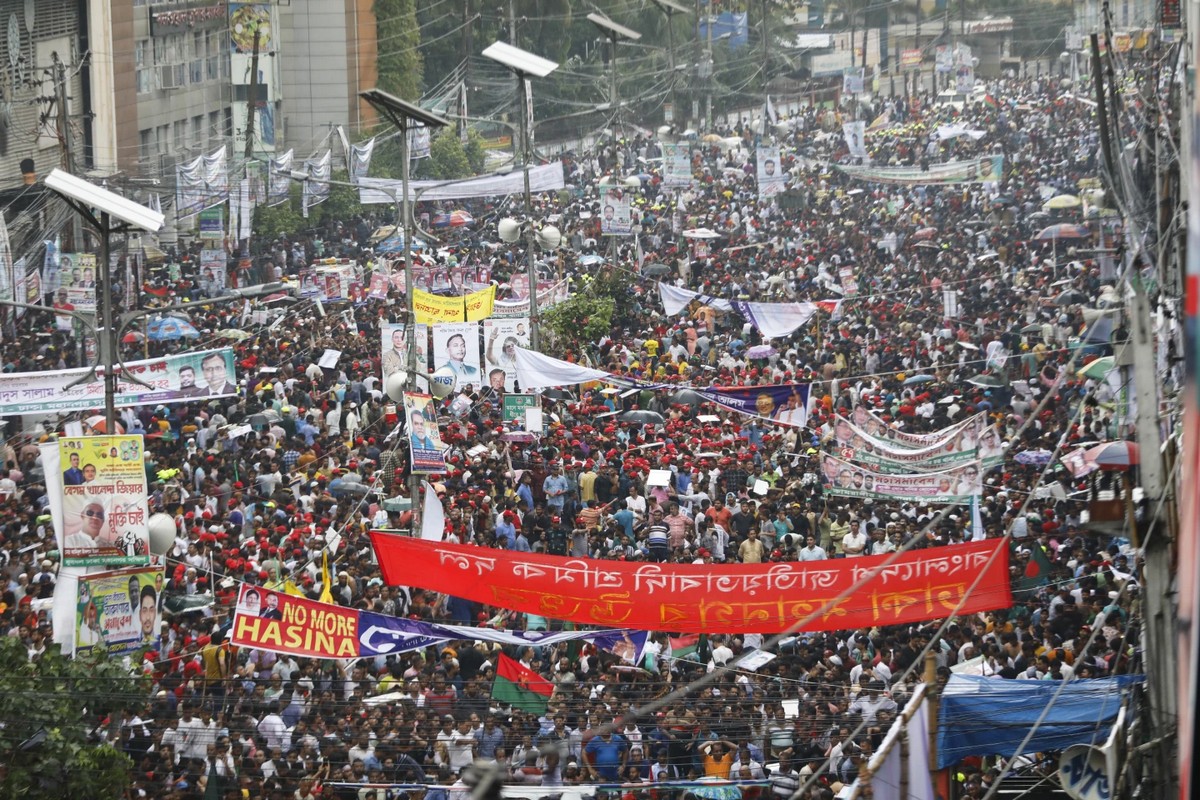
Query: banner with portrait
{"x": 676, "y": 166}
{"x": 904, "y": 588}
{"x": 501, "y": 338}
{"x": 973, "y": 441}
{"x": 876, "y": 427}
{"x": 975, "y": 170}
{"x": 956, "y": 485}
{"x": 783, "y": 404}
{"x": 212, "y": 273}
{"x": 616, "y": 213}
{"x": 77, "y": 278}
{"x": 103, "y": 501}
{"x": 119, "y": 612}
{"x": 394, "y": 344}
{"x": 456, "y": 348}
{"x": 771, "y": 177}
{"x": 424, "y": 438}
{"x": 204, "y": 374}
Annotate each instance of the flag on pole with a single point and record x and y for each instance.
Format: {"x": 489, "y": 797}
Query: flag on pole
{"x": 520, "y": 687}
{"x": 433, "y": 516}
{"x": 326, "y": 580}
{"x": 1039, "y": 566}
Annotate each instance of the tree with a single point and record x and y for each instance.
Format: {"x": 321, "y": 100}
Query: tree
{"x": 399, "y": 36}
{"x": 48, "y": 706}
{"x": 447, "y": 158}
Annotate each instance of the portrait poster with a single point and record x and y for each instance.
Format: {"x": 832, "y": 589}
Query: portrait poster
{"x": 771, "y": 177}
{"x": 104, "y": 519}
{"x": 616, "y": 214}
{"x": 119, "y": 612}
{"x": 501, "y": 337}
{"x": 424, "y": 438}
{"x": 394, "y": 345}
{"x": 955, "y": 485}
{"x": 456, "y": 347}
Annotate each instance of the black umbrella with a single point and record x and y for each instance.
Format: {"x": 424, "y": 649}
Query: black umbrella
{"x": 1070, "y": 298}
{"x": 558, "y": 394}
{"x": 656, "y": 269}
{"x": 687, "y": 397}
{"x": 642, "y": 417}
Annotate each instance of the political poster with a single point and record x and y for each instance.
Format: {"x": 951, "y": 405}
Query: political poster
{"x": 77, "y": 278}
{"x": 783, "y": 404}
{"x": 433, "y": 309}
{"x": 501, "y": 338}
{"x": 103, "y": 501}
{"x": 852, "y": 80}
{"x": 855, "y": 134}
{"x": 378, "y": 288}
{"x": 204, "y": 374}
{"x": 771, "y": 177}
{"x": 972, "y": 442}
{"x": 212, "y": 270}
{"x": 616, "y": 216}
{"x": 424, "y": 438}
{"x": 878, "y": 428}
{"x": 676, "y": 166}
{"x": 834, "y": 594}
{"x": 956, "y": 485}
{"x": 456, "y": 348}
{"x": 987, "y": 169}
{"x": 119, "y": 612}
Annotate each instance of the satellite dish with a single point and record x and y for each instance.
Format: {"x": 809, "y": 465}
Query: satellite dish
{"x": 549, "y": 237}
{"x": 509, "y": 230}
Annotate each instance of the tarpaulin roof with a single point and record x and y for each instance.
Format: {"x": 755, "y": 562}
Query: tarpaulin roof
{"x": 990, "y": 716}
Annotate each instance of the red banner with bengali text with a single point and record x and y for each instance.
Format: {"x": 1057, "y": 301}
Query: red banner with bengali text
{"x": 742, "y": 598}
{"x": 283, "y": 623}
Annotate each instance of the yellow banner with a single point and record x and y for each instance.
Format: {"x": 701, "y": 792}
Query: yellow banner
{"x": 480, "y": 304}
{"x": 431, "y": 308}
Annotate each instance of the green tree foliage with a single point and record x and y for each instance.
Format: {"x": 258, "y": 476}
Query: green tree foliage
{"x": 47, "y": 707}
{"x": 399, "y": 39}
{"x": 447, "y": 158}
{"x": 582, "y": 318}
{"x": 272, "y": 221}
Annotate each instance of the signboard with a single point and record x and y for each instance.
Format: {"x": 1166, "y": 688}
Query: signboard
{"x": 212, "y": 224}
{"x": 616, "y": 215}
{"x": 119, "y": 612}
{"x": 103, "y": 505}
{"x": 514, "y": 406}
{"x": 911, "y": 59}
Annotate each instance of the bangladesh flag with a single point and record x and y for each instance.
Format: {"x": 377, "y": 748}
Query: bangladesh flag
{"x": 520, "y": 688}
{"x": 690, "y": 644}
{"x": 1038, "y": 568}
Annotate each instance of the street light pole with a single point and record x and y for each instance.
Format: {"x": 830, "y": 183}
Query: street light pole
{"x": 671, "y": 8}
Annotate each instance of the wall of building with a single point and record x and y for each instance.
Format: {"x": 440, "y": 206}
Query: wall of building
{"x": 314, "y": 70}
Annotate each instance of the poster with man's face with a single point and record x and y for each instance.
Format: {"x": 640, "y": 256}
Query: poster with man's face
{"x": 501, "y": 338}
{"x": 456, "y": 347}
{"x": 771, "y": 178}
{"x": 394, "y": 348}
{"x": 616, "y": 217}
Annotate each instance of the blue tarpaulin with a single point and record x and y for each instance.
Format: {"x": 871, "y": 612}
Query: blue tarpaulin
{"x": 989, "y": 716}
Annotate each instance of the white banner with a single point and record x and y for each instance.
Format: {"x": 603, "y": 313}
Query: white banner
{"x": 537, "y": 371}
{"x": 676, "y": 300}
{"x": 201, "y": 183}
{"x": 316, "y": 189}
{"x": 547, "y": 296}
{"x": 359, "y": 161}
{"x": 279, "y": 182}
{"x": 544, "y": 178}
{"x": 209, "y": 373}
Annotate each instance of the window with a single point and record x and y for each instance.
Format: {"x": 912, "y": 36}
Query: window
{"x": 145, "y": 71}
{"x": 196, "y": 64}
{"x": 198, "y": 135}
{"x": 146, "y": 146}
{"x": 179, "y": 130}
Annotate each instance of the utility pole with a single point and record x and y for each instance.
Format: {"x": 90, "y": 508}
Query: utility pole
{"x": 512, "y": 23}
{"x": 252, "y": 99}
{"x": 66, "y": 135}
{"x": 766, "y": 68}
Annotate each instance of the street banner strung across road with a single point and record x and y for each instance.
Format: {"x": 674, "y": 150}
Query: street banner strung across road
{"x": 783, "y": 403}
{"x": 957, "y": 485}
{"x": 878, "y": 428}
{"x": 174, "y": 378}
{"x": 119, "y": 612}
{"x": 684, "y": 598}
{"x": 283, "y": 623}
{"x": 974, "y": 441}
{"x": 977, "y": 170}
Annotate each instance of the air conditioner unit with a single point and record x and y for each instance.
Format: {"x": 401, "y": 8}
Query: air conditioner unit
{"x": 166, "y": 77}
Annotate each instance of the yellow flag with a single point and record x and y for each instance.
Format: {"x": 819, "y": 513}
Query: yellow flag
{"x": 290, "y": 587}
{"x": 481, "y": 304}
{"x": 326, "y": 580}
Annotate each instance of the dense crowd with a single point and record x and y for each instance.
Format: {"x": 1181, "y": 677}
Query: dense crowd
{"x": 261, "y": 507}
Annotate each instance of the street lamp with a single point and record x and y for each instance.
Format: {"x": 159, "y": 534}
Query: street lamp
{"x": 108, "y": 213}
{"x": 615, "y": 33}
{"x": 525, "y": 66}
{"x": 671, "y": 8}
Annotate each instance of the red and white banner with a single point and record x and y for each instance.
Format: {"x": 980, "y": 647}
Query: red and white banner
{"x": 751, "y": 598}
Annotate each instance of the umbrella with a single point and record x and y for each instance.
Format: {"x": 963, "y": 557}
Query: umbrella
{"x": 1062, "y": 201}
{"x": 165, "y": 329}
{"x": 133, "y": 337}
{"x": 452, "y": 219}
{"x": 1112, "y": 455}
{"x": 711, "y": 138}
{"x": 986, "y": 381}
{"x": 1099, "y": 368}
{"x": 688, "y": 397}
{"x": 381, "y": 233}
{"x": 1036, "y": 327}
{"x": 99, "y": 424}
{"x": 395, "y": 244}
{"x": 590, "y": 260}
{"x": 1063, "y": 231}
{"x": 656, "y": 269}
{"x": 924, "y": 234}
{"x": 700, "y": 233}
{"x": 927, "y": 245}
{"x": 642, "y": 417}
{"x": 918, "y": 379}
{"x": 1070, "y": 297}
{"x": 1035, "y": 458}
{"x": 761, "y": 351}
{"x": 233, "y": 334}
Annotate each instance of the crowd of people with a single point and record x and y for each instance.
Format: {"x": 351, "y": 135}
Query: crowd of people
{"x": 262, "y": 507}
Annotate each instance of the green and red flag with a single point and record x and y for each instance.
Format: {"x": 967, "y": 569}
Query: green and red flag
{"x": 520, "y": 687}
{"x": 1038, "y": 568}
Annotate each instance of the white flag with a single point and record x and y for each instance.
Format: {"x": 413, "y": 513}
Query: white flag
{"x": 433, "y": 516}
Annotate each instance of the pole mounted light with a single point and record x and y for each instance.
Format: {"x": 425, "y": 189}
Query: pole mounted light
{"x": 525, "y": 66}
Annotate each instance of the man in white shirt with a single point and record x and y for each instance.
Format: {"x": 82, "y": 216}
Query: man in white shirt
{"x": 273, "y": 729}
{"x": 854, "y": 543}
{"x": 811, "y": 551}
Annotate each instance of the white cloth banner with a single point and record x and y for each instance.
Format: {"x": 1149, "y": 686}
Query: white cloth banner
{"x": 775, "y": 320}
{"x": 676, "y": 300}
{"x": 359, "y": 161}
{"x": 316, "y": 190}
{"x": 537, "y": 371}
{"x": 945, "y": 132}
{"x": 433, "y": 516}
{"x": 279, "y": 182}
{"x": 545, "y": 178}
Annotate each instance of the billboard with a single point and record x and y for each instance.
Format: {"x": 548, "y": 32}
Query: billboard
{"x": 424, "y": 438}
{"x": 119, "y": 612}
